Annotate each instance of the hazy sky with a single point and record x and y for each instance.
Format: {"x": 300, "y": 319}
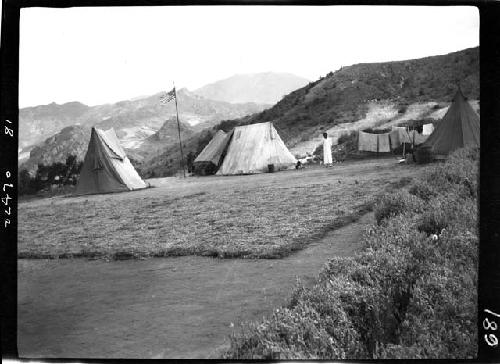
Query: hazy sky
{"x": 102, "y": 55}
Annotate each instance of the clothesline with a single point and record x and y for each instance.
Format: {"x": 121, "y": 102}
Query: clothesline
{"x": 386, "y": 142}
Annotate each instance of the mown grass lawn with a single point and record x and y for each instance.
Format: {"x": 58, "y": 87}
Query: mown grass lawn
{"x": 259, "y": 216}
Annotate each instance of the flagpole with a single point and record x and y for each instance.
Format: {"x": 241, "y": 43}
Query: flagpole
{"x": 179, "y": 130}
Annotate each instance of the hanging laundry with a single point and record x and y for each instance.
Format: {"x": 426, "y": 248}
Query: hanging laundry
{"x": 367, "y": 142}
{"x": 395, "y": 141}
{"x": 428, "y": 129}
{"x": 384, "y": 145}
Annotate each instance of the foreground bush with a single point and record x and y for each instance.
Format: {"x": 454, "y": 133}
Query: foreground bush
{"x": 458, "y": 175}
{"x": 410, "y": 293}
{"x": 399, "y": 202}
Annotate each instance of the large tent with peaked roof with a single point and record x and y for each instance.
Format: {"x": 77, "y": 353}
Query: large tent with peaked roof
{"x": 208, "y": 161}
{"x": 106, "y": 167}
{"x": 253, "y": 148}
{"x": 458, "y": 128}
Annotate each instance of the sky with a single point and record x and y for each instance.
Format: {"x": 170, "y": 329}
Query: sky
{"x": 107, "y": 54}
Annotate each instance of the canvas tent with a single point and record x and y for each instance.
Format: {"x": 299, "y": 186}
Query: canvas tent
{"x": 458, "y": 128}
{"x": 106, "y": 167}
{"x": 208, "y": 161}
{"x": 252, "y": 148}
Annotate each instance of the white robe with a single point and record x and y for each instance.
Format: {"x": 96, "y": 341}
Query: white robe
{"x": 327, "y": 151}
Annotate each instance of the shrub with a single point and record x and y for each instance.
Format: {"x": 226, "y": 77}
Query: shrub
{"x": 376, "y": 131}
{"x": 393, "y": 204}
{"x": 300, "y": 332}
{"x": 464, "y": 154}
{"x": 423, "y": 190}
{"x": 348, "y": 137}
{"x": 458, "y": 173}
{"x": 441, "y": 316}
{"x": 433, "y": 222}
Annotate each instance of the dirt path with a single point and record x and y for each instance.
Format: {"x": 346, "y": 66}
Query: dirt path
{"x": 157, "y": 308}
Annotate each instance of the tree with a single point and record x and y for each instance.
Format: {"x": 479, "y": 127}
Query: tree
{"x": 26, "y": 185}
{"x": 189, "y": 161}
{"x": 70, "y": 161}
{"x": 56, "y": 172}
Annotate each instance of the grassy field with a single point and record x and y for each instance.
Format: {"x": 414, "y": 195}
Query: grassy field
{"x": 257, "y": 216}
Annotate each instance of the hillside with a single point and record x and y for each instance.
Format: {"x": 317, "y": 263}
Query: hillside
{"x": 345, "y": 95}
{"x": 70, "y": 140}
{"x": 40, "y": 122}
{"x": 264, "y": 88}
{"x": 134, "y": 121}
{"x": 357, "y": 96}
{"x": 74, "y": 140}
{"x": 167, "y": 136}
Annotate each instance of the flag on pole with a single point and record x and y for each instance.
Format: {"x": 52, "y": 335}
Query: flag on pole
{"x": 169, "y": 96}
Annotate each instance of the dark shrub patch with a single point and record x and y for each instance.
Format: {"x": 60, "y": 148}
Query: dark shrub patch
{"x": 422, "y": 190}
{"x": 432, "y": 222}
{"x": 396, "y": 203}
{"x": 348, "y": 137}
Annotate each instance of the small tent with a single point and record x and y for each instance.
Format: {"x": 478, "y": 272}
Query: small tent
{"x": 458, "y": 128}
{"x": 253, "y": 148}
{"x": 106, "y": 167}
{"x": 208, "y": 161}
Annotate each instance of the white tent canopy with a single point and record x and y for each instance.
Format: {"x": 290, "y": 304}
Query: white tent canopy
{"x": 253, "y": 148}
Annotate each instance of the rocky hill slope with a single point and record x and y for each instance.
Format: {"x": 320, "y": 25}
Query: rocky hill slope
{"x": 264, "y": 88}
{"x": 39, "y": 122}
{"x": 71, "y": 140}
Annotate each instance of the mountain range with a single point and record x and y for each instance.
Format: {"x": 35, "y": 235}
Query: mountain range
{"x": 264, "y": 88}
{"x": 45, "y": 137}
{"x": 39, "y": 122}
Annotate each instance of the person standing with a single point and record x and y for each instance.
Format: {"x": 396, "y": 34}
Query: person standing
{"x": 327, "y": 150}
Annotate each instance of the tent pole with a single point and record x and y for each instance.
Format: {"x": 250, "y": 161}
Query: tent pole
{"x": 179, "y": 130}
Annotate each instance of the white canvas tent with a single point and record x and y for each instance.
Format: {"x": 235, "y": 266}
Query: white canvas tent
{"x": 106, "y": 167}
{"x": 252, "y": 148}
